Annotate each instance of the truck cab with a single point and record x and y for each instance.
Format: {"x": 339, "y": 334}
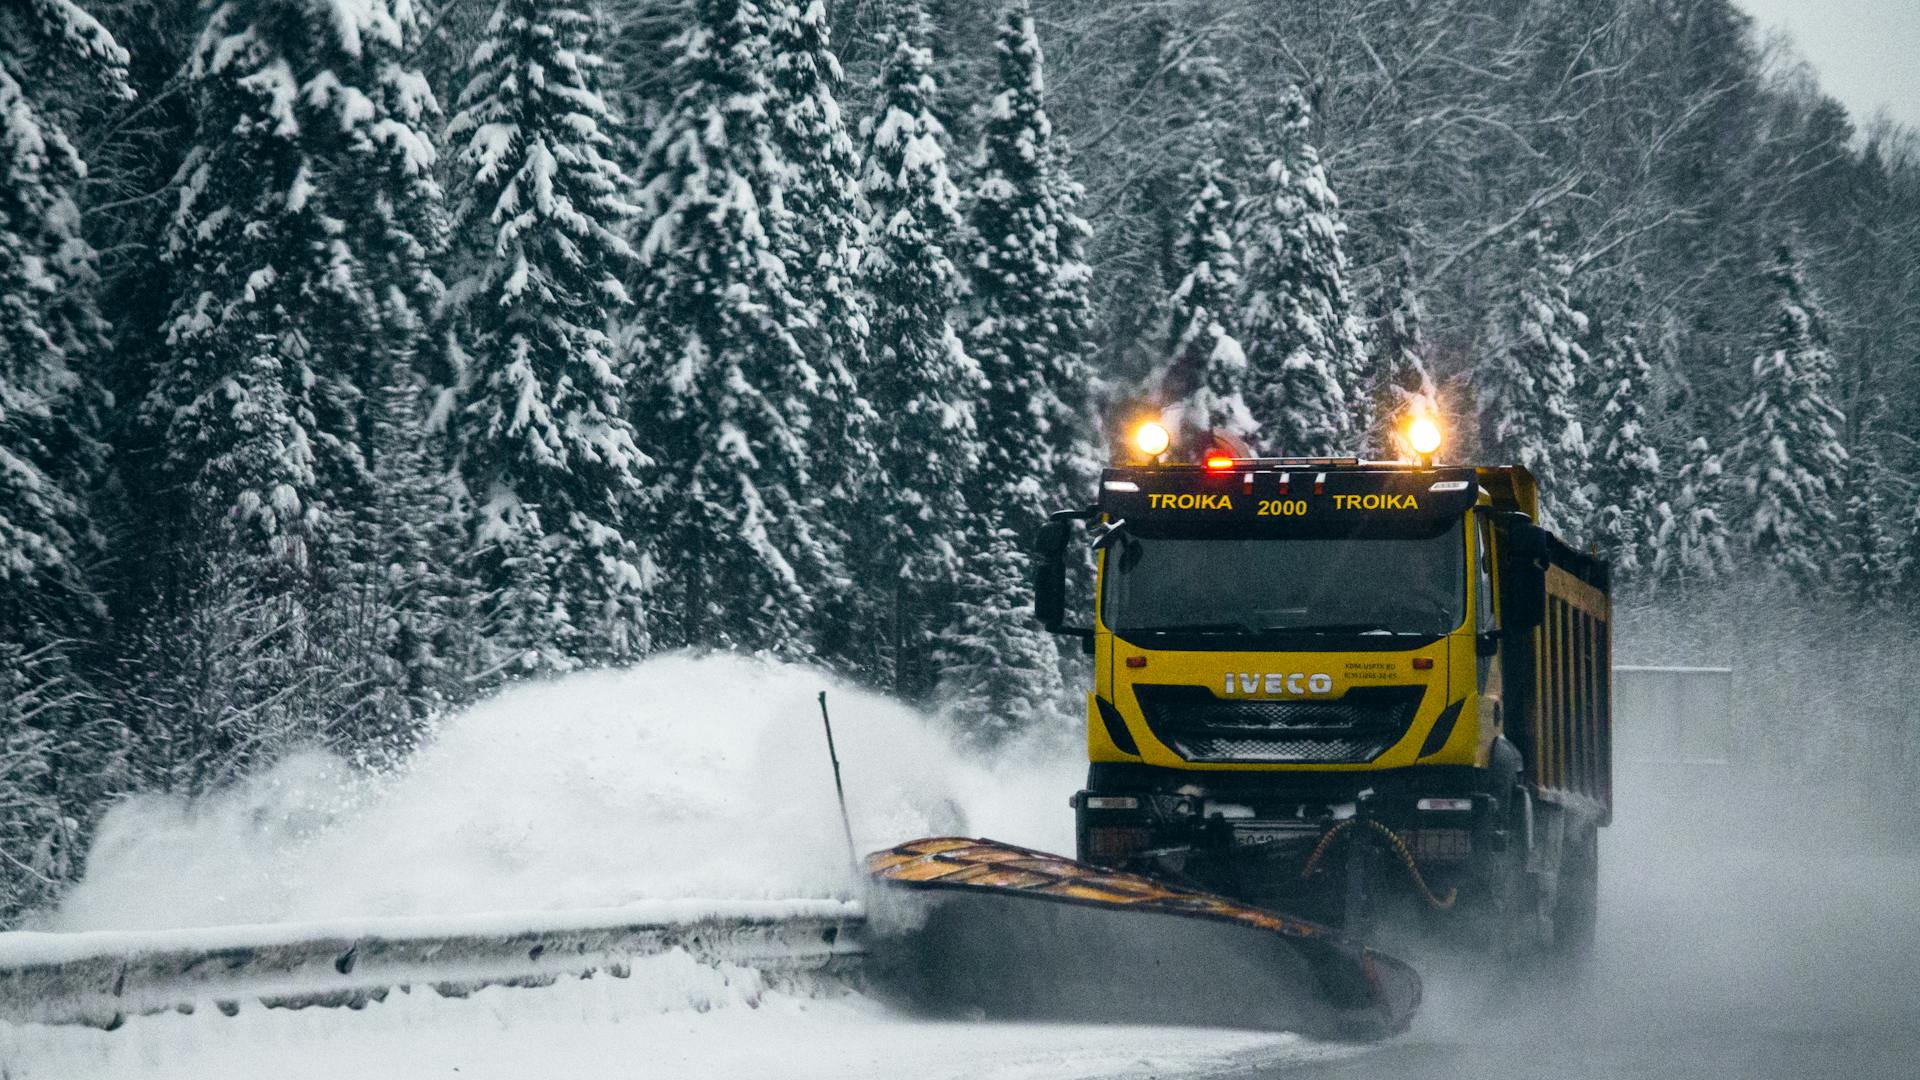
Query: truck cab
{"x": 1343, "y": 688}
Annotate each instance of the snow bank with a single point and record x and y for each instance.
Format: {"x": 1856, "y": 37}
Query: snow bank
{"x": 682, "y": 777}
{"x": 672, "y": 1018}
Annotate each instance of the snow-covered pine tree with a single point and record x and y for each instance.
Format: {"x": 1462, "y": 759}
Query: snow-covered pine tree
{"x": 731, "y": 395}
{"x": 387, "y": 174}
{"x": 916, "y": 500}
{"x": 1867, "y": 571}
{"x": 1029, "y": 327}
{"x": 1398, "y": 378}
{"x": 62, "y": 751}
{"x": 394, "y": 620}
{"x": 1206, "y": 379}
{"x": 299, "y": 254}
{"x": 35, "y": 824}
{"x": 1302, "y": 338}
{"x": 1690, "y": 543}
{"x": 538, "y": 411}
{"x": 258, "y": 411}
{"x": 820, "y": 191}
{"x": 405, "y": 615}
{"x": 823, "y": 244}
{"x": 1526, "y": 386}
{"x": 1906, "y": 555}
{"x": 1000, "y": 670}
{"x": 1787, "y": 458}
{"x": 52, "y": 337}
{"x": 1626, "y": 466}
{"x": 1029, "y": 332}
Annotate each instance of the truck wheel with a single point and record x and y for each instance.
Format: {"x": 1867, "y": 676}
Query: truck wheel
{"x": 1496, "y": 904}
{"x": 1577, "y": 913}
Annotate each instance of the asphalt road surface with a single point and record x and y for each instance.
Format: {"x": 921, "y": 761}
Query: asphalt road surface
{"x": 1743, "y": 937}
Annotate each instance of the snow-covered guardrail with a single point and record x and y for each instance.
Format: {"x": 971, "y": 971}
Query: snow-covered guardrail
{"x": 99, "y": 978}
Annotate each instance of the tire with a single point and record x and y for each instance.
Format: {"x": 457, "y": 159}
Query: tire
{"x": 1500, "y": 896}
{"x": 1576, "y": 914}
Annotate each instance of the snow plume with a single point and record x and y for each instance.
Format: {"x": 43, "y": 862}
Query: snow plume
{"x": 681, "y": 777}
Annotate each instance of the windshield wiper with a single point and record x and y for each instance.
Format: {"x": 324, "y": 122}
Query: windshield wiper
{"x": 1339, "y": 628}
{"x": 1202, "y": 628}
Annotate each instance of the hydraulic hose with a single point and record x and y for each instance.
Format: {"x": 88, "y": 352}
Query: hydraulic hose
{"x": 1399, "y": 847}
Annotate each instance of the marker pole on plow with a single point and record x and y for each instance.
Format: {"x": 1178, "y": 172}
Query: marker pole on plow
{"x": 853, "y": 855}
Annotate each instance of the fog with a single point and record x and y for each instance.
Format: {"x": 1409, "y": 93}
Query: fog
{"x": 1760, "y": 914}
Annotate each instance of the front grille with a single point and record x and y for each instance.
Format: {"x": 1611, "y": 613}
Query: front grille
{"x": 1353, "y": 729}
{"x": 1205, "y": 749}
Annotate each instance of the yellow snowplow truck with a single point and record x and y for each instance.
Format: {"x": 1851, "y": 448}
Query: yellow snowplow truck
{"x": 1372, "y": 694}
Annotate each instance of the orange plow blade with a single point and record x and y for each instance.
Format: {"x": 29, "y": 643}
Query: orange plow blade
{"x": 969, "y": 927}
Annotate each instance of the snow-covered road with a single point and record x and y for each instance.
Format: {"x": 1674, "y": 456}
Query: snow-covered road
{"x": 671, "y": 1019}
{"x": 1730, "y": 949}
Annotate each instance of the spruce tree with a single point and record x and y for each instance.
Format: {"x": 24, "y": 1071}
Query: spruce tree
{"x": 1030, "y": 335}
{"x": 823, "y": 245}
{"x": 821, "y": 194}
{"x": 732, "y": 396}
{"x": 1787, "y": 458}
{"x": 62, "y": 750}
{"x": 1302, "y": 338}
{"x": 1526, "y": 387}
{"x": 408, "y": 606}
{"x": 929, "y": 447}
{"x": 1868, "y": 568}
{"x": 1690, "y": 543}
{"x": 1906, "y": 555}
{"x": 299, "y": 252}
{"x": 539, "y": 411}
{"x": 1030, "y": 314}
{"x": 1206, "y": 379}
{"x": 1626, "y": 468}
{"x": 53, "y": 339}
{"x": 256, "y": 410}
{"x": 1001, "y": 670}
{"x": 308, "y": 202}
{"x": 395, "y": 621}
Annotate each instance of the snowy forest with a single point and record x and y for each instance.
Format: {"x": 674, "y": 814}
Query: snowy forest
{"x": 360, "y": 356}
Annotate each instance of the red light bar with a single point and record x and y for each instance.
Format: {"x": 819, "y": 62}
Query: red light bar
{"x": 1219, "y": 462}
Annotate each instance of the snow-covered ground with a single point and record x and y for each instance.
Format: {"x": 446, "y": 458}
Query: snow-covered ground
{"x": 672, "y": 1018}
{"x": 688, "y": 781}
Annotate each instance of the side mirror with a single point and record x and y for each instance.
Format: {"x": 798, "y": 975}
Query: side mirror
{"x": 1527, "y": 541}
{"x": 1050, "y": 574}
{"x": 1524, "y": 570}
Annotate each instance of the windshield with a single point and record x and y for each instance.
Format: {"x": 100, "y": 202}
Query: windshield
{"x": 1268, "y": 585}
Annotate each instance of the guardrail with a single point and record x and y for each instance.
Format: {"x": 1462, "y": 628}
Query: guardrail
{"x": 100, "y": 978}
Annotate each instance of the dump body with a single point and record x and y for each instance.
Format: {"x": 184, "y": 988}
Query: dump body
{"x": 1283, "y": 646}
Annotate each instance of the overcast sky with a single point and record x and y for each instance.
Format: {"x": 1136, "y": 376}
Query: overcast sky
{"x": 1867, "y": 52}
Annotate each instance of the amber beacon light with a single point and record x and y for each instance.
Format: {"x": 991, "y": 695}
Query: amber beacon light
{"x": 1424, "y": 436}
{"x": 1151, "y": 439}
